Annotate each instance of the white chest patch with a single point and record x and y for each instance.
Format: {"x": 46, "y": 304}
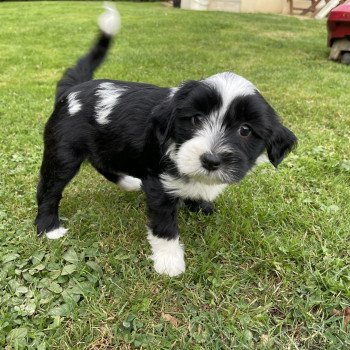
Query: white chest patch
{"x": 108, "y": 95}
{"x": 191, "y": 189}
{"x": 74, "y": 105}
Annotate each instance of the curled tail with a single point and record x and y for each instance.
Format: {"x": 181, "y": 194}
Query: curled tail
{"x": 109, "y": 24}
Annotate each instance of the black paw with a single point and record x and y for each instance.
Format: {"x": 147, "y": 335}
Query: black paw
{"x": 204, "y": 207}
{"x": 46, "y": 223}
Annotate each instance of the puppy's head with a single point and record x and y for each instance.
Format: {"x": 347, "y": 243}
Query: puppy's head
{"x": 216, "y": 128}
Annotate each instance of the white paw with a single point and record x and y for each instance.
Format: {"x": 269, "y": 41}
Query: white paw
{"x": 56, "y": 233}
{"x": 169, "y": 264}
{"x": 129, "y": 183}
{"x": 168, "y": 255}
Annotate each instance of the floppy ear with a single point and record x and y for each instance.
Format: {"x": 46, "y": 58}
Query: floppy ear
{"x": 281, "y": 142}
{"x": 165, "y": 113}
{"x": 163, "y": 120}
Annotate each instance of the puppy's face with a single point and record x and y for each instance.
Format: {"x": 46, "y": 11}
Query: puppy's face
{"x": 219, "y": 128}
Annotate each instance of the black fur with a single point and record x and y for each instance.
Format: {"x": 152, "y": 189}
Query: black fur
{"x": 85, "y": 67}
{"x": 142, "y": 127}
{"x": 204, "y": 207}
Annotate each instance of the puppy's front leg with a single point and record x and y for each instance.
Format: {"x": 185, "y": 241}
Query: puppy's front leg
{"x": 163, "y": 235}
{"x": 197, "y": 206}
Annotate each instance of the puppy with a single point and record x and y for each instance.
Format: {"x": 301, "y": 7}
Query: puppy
{"x": 180, "y": 144}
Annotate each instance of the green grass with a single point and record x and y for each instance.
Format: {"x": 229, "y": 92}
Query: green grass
{"x": 264, "y": 272}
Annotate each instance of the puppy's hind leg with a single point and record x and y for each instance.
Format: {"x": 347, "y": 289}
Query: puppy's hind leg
{"x": 129, "y": 183}
{"x": 126, "y": 182}
{"x": 112, "y": 177}
{"x": 55, "y": 174}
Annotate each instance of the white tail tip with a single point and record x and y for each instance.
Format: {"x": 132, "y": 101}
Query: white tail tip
{"x": 110, "y": 22}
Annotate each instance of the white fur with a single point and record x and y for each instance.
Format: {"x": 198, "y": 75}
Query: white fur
{"x": 74, "y": 105}
{"x": 173, "y": 90}
{"x": 168, "y": 255}
{"x": 188, "y": 156}
{"x": 108, "y": 94}
{"x": 230, "y": 86}
{"x": 171, "y": 151}
{"x": 190, "y": 188}
{"x": 211, "y": 138}
{"x": 262, "y": 159}
{"x": 129, "y": 183}
{"x": 187, "y": 159}
{"x": 110, "y": 22}
{"x": 56, "y": 233}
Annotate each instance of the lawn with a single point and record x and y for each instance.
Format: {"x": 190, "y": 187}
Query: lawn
{"x": 266, "y": 271}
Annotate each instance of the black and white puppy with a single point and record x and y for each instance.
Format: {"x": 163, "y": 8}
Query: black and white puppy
{"x": 185, "y": 143}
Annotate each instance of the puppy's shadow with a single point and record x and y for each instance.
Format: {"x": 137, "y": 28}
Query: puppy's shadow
{"x": 91, "y": 203}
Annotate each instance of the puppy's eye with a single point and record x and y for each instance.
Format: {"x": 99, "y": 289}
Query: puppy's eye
{"x": 244, "y": 130}
{"x": 196, "y": 119}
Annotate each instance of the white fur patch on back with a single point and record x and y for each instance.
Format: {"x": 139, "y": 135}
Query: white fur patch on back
{"x": 108, "y": 95}
{"x": 173, "y": 91}
{"x": 74, "y": 105}
{"x": 56, "y": 233}
{"x": 130, "y": 183}
{"x": 109, "y": 22}
{"x": 190, "y": 188}
{"x": 168, "y": 255}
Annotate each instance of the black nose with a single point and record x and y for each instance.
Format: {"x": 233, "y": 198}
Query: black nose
{"x": 210, "y": 161}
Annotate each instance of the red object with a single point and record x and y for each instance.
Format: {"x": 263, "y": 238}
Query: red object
{"x": 338, "y": 23}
